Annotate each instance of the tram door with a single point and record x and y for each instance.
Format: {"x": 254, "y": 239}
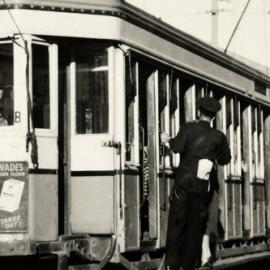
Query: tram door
{"x": 43, "y": 185}
{"x": 142, "y": 189}
{"x": 89, "y": 161}
{"x": 145, "y": 190}
{"x": 147, "y": 149}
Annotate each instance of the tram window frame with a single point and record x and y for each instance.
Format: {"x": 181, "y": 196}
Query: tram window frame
{"x": 77, "y": 54}
{"x": 9, "y": 85}
{"x": 53, "y": 84}
{"x": 49, "y": 92}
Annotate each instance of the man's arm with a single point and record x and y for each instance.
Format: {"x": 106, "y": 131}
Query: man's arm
{"x": 224, "y": 152}
{"x": 178, "y": 143}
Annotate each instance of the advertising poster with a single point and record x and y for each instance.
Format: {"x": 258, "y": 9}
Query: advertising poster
{"x": 13, "y": 196}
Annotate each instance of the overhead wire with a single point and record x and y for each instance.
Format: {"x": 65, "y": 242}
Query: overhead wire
{"x": 236, "y": 26}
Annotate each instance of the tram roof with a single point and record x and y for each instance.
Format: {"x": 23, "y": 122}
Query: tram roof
{"x": 126, "y": 11}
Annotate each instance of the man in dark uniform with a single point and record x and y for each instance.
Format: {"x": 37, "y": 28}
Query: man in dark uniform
{"x": 200, "y": 147}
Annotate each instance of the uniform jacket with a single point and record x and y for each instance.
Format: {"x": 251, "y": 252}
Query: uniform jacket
{"x": 195, "y": 141}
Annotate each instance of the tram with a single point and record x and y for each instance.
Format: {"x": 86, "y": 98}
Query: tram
{"x": 86, "y": 88}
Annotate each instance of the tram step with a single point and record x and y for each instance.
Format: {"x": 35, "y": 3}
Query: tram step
{"x": 92, "y": 266}
{"x": 239, "y": 260}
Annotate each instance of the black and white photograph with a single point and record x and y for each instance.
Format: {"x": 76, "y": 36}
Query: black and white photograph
{"x": 134, "y": 134}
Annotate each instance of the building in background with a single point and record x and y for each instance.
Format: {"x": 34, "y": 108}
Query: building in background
{"x": 214, "y": 22}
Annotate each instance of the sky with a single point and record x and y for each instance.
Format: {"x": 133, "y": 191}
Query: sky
{"x": 251, "y": 39}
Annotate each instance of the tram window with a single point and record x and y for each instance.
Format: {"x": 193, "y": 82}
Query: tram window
{"x": 217, "y": 96}
{"x": 254, "y": 141}
{"x": 41, "y": 86}
{"x": 174, "y": 114}
{"x": 228, "y": 114}
{"x": 257, "y": 134}
{"x": 186, "y": 101}
{"x": 200, "y": 92}
{"x": 260, "y": 88}
{"x": 233, "y": 133}
{"x": 229, "y": 131}
{"x": 162, "y": 99}
{"x": 181, "y": 107}
{"x": 199, "y": 89}
{"x": 173, "y": 96}
{"x": 162, "y": 104}
{"x": 173, "y": 105}
{"x": 236, "y": 136}
{"x": 6, "y": 84}
{"x": 131, "y": 94}
{"x": 92, "y": 92}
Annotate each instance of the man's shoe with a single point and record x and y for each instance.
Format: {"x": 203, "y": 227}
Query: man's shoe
{"x": 209, "y": 262}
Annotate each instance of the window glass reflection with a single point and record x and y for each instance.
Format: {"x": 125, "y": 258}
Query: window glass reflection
{"x": 41, "y": 86}
{"x": 92, "y": 91}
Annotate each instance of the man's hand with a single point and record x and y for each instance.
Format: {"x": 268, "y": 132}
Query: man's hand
{"x": 164, "y": 137}
{"x": 244, "y": 166}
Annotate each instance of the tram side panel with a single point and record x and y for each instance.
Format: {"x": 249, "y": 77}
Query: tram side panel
{"x": 43, "y": 207}
{"x": 132, "y": 212}
{"x": 92, "y": 205}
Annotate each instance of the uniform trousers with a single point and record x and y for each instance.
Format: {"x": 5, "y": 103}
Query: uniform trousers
{"x": 213, "y": 215}
{"x": 212, "y": 228}
{"x": 186, "y": 224}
